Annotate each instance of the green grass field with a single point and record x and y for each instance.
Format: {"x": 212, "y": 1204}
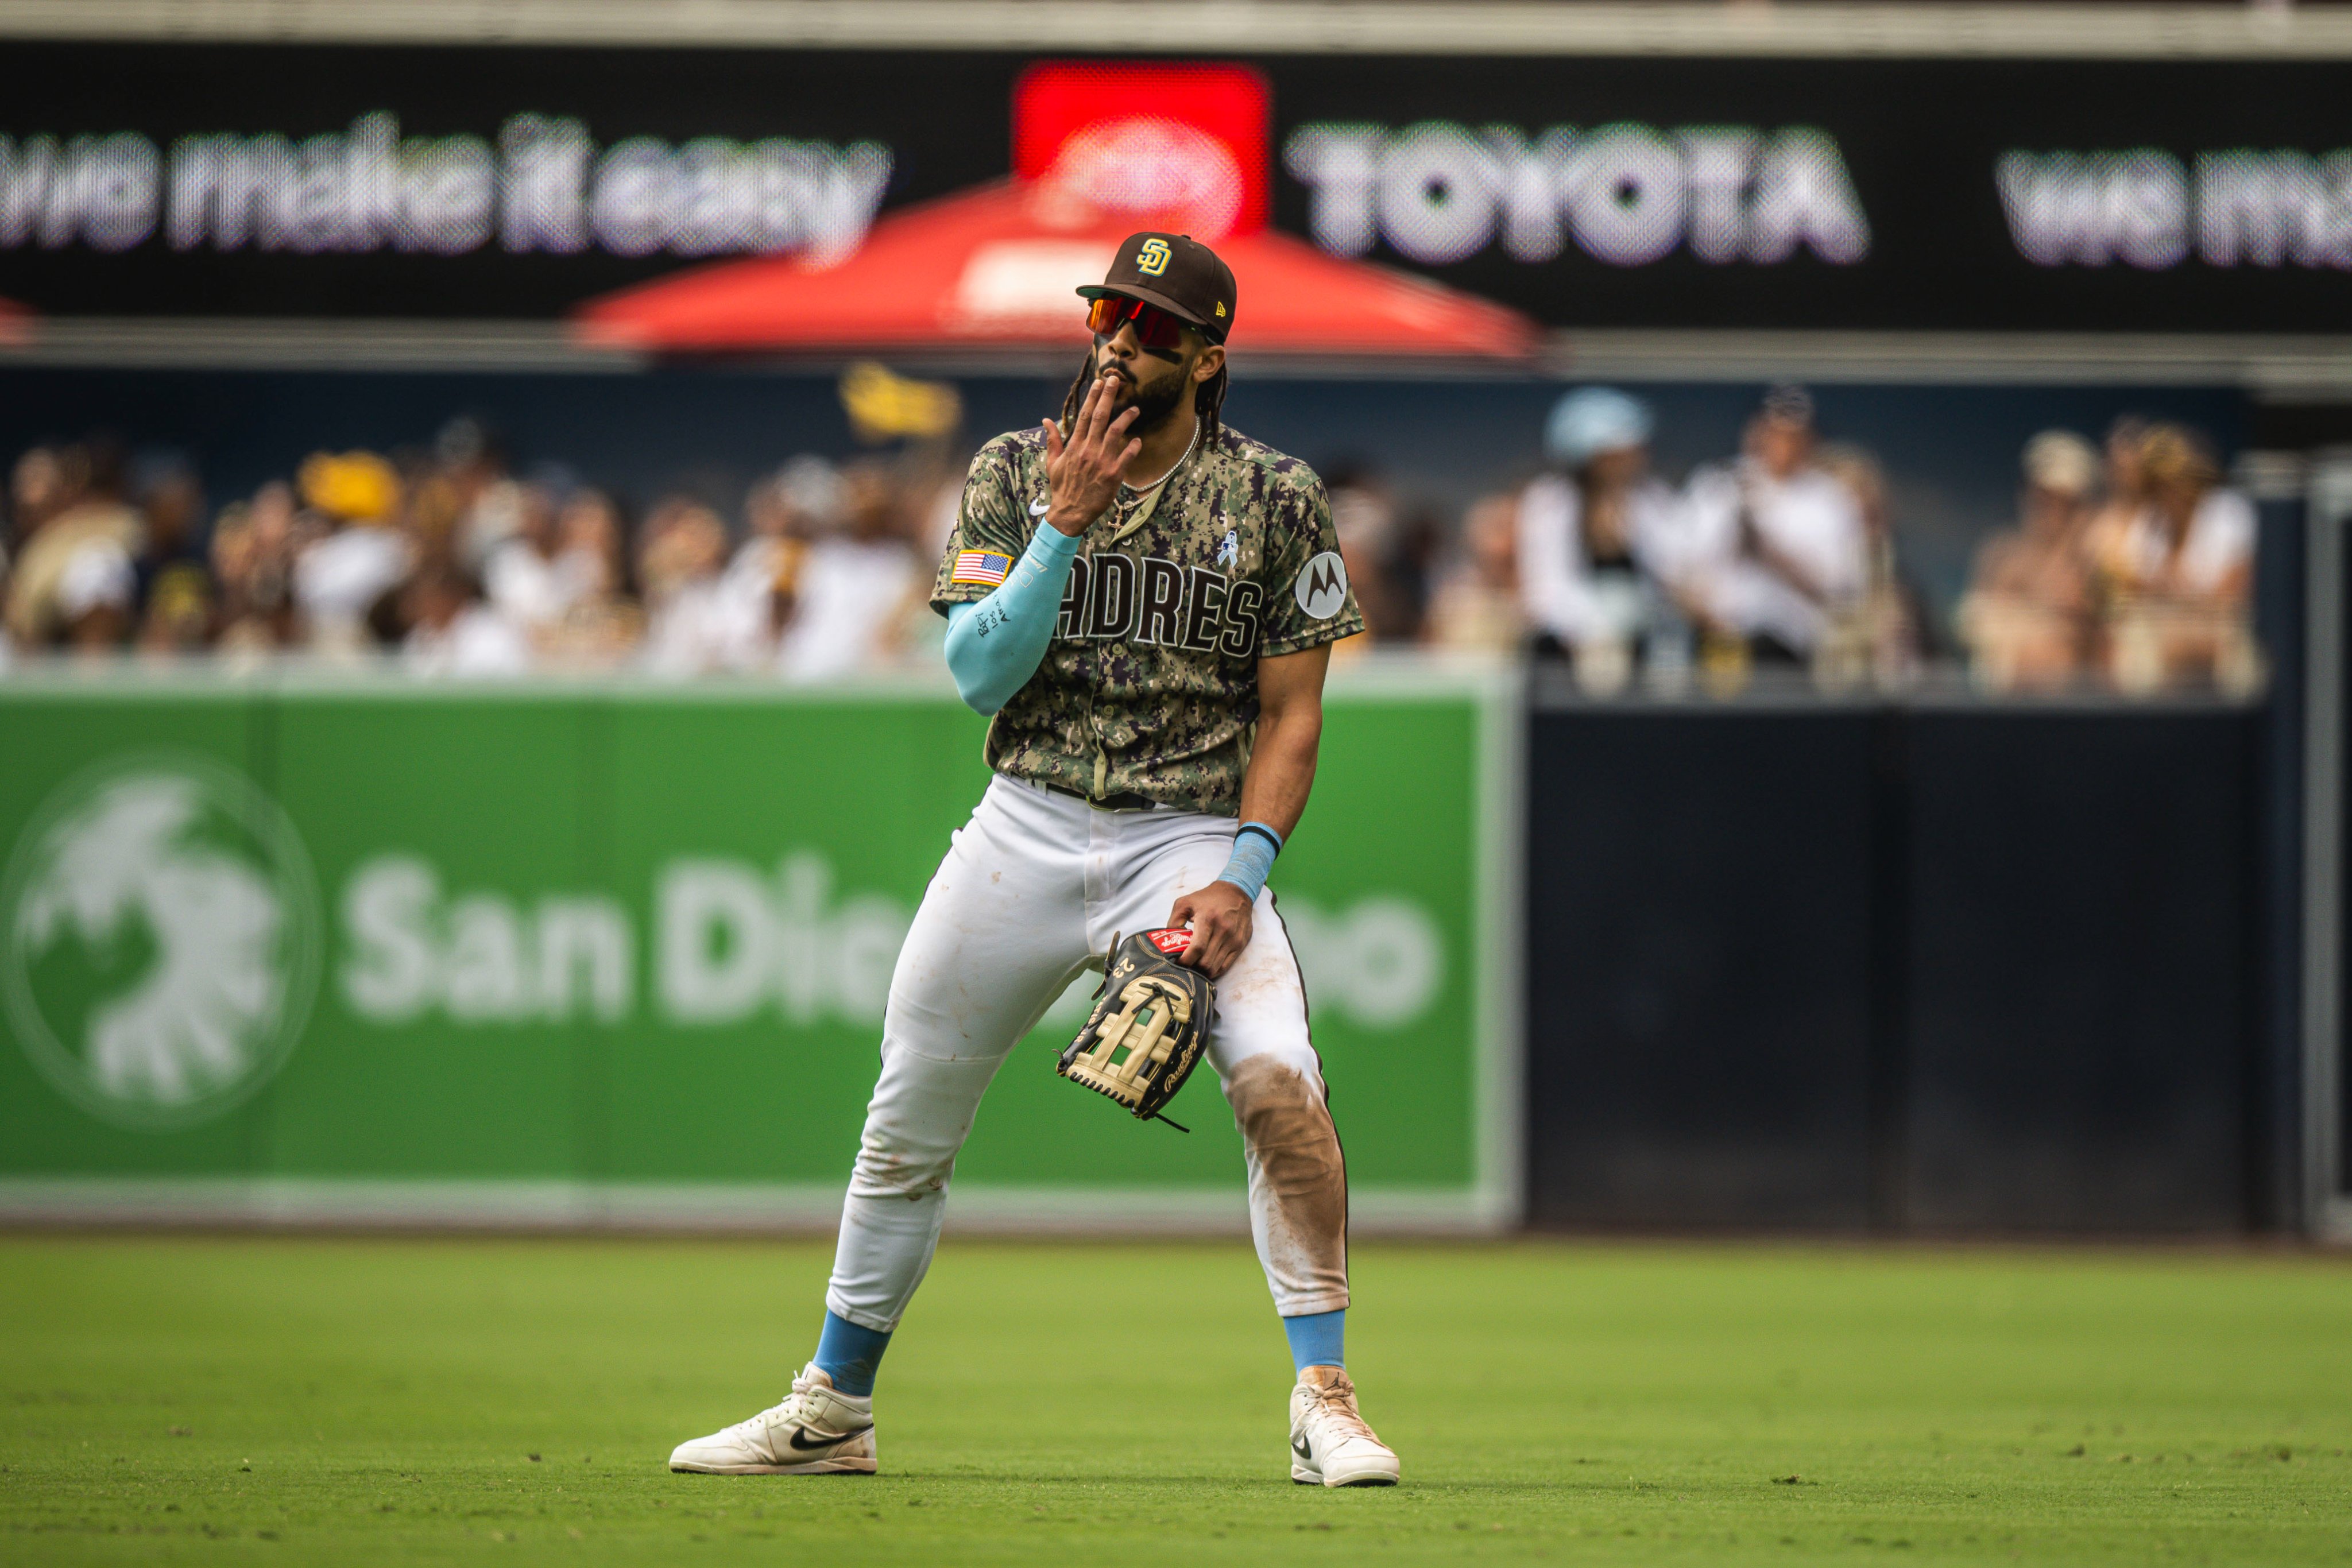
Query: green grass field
{"x": 366, "y": 1401}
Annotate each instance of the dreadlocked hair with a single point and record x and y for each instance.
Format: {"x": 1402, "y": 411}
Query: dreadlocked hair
{"x": 1208, "y": 401}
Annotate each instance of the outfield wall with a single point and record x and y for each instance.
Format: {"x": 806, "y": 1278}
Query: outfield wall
{"x": 360, "y": 950}
{"x": 1929, "y": 966}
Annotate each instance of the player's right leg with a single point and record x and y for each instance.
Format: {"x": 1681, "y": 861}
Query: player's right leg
{"x": 1000, "y": 933}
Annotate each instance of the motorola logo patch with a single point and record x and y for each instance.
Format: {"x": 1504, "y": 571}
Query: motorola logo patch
{"x": 1322, "y": 586}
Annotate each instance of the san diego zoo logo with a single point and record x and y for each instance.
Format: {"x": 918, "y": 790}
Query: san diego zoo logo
{"x": 162, "y": 939}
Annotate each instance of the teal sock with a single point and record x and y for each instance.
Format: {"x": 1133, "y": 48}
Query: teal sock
{"x": 1317, "y": 1338}
{"x": 850, "y": 1355}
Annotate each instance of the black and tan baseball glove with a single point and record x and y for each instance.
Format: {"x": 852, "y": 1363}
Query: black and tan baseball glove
{"x": 1147, "y": 1028}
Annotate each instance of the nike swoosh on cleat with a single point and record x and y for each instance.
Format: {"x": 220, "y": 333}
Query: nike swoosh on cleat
{"x": 822, "y": 1442}
{"x": 1302, "y": 1450}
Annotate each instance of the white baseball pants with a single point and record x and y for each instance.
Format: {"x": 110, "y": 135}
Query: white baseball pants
{"x": 1032, "y": 891}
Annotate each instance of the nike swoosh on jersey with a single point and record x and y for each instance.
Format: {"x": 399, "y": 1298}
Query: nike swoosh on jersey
{"x": 823, "y": 1441}
{"x": 1039, "y": 509}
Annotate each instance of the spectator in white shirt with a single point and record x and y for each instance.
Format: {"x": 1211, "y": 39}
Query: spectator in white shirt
{"x": 524, "y": 577}
{"x": 1598, "y": 536}
{"x": 2193, "y": 539}
{"x": 694, "y": 624}
{"x": 781, "y": 514}
{"x": 452, "y": 633}
{"x": 94, "y": 595}
{"x": 74, "y": 575}
{"x": 74, "y": 580}
{"x": 2176, "y": 575}
{"x": 854, "y": 586}
{"x": 362, "y": 557}
{"x": 1778, "y": 547}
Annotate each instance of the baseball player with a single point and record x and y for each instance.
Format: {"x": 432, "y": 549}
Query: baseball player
{"x": 1145, "y": 601}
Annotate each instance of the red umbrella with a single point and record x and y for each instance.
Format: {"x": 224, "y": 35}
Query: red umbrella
{"x": 997, "y": 266}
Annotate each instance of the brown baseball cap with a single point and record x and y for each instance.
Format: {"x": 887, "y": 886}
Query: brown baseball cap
{"x": 1178, "y": 274}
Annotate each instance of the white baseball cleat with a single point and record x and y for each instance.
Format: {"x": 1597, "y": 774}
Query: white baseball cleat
{"x": 1329, "y": 1444}
{"x": 818, "y": 1431}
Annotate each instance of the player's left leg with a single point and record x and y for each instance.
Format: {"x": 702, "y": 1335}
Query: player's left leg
{"x": 1265, "y": 1062}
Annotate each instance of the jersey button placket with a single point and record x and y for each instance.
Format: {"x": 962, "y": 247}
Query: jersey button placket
{"x": 1091, "y": 657}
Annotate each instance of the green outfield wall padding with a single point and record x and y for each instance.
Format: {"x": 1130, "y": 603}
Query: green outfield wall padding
{"x": 632, "y": 939}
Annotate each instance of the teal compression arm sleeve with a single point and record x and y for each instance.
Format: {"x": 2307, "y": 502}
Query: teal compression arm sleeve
{"x": 996, "y": 644}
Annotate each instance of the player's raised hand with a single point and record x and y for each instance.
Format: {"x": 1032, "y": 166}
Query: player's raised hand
{"x": 1082, "y": 471}
{"x": 1219, "y": 918}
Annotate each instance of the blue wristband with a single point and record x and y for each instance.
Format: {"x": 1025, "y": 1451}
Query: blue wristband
{"x": 1255, "y": 847}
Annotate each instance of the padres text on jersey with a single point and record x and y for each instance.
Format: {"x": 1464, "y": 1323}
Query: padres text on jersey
{"x": 1150, "y": 686}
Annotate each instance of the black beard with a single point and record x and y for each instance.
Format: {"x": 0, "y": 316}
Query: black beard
{"x": 1153, "y": 407}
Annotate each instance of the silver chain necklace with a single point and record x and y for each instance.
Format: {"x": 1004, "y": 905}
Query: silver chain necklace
{"x": 1140, "y": 489}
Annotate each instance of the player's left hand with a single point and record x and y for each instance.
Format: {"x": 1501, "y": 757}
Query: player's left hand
{"x": 1219, "y": 916}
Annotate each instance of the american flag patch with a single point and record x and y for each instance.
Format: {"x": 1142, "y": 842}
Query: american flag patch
{"x": 981, "y": 565}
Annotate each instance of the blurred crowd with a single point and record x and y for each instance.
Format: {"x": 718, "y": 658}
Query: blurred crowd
{"x": 2130, "y": 572}
{"x": 2133, "y": 566}
{"x": 1782, "y": 557}
{"x": 2126, "y": 567}
{"x": 446, "y": 559}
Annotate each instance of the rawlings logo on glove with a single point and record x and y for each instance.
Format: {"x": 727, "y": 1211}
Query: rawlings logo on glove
{"x": 1147, "y": 1031}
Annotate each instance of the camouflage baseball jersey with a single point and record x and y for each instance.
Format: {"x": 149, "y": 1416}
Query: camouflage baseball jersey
{"x": 1149, "y": 685}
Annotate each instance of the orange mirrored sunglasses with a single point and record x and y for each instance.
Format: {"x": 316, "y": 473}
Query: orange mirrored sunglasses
{"x": 1154, "y": 328}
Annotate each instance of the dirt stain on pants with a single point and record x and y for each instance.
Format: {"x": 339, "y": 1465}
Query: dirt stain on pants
{"x": 1299, "y": 1182}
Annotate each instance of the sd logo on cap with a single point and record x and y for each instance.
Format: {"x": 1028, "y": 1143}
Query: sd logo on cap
{"x": 1178, "y": 274}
